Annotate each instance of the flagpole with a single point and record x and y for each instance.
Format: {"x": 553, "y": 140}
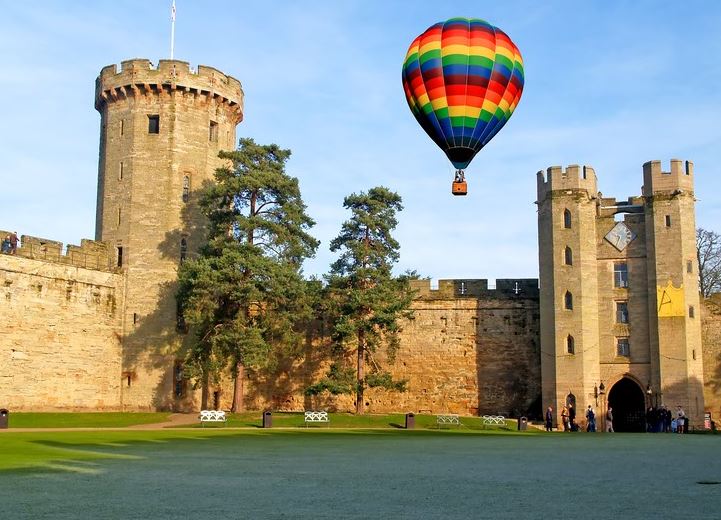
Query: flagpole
{"x": 172, "y": 30}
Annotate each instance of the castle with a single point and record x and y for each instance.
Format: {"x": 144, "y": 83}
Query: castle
{"x": 95, "y": 327}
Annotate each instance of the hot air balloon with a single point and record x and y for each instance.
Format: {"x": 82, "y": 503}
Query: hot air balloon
{"x": 463, "y": 79}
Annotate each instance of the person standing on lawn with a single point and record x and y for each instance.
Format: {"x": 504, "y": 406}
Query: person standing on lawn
{"x": 549, "y": 419}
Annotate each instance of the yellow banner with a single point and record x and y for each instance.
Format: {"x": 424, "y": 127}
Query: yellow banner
{"x": 671, "y": 302}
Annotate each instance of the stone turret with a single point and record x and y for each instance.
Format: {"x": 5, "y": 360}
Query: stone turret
{"x": 161, "y": 130}
{"x": 675, "y": 327}
{"x": 567, "y": 209}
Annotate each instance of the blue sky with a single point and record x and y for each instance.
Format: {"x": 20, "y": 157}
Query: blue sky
{"x": 608, "y": 84}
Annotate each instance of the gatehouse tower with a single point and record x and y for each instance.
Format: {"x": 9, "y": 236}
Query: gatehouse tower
{"x": 160, "y": 133}
{"x": 619, "y": 295}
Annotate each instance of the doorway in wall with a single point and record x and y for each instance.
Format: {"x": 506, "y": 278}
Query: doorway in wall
{"x": 627, "y": 400}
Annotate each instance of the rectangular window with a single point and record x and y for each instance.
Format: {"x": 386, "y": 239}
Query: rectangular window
{"x": 668, "y": 220}
{"x": 120, "y": 211}
{"x": 691, "y": 312}
{"x": 122, "y": 126}
{"x": 689, "y": 266}
{"x": 620, "y": 274}
{"x": 135, "y": 318}
{"x": 621, "y": 312}
{"x": 213, "y": 135}
{"x": 186, "y": 188}
{"x": 154, "y": 124}
{"x": 622, "y": 347}
{"x": 120, "y": 256}
{"x": 120, "y": 171}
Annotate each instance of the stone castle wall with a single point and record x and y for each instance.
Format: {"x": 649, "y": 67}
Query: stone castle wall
{"x": 60, "y": 343}
{"x": 711, "y": 335}
{"x": 468, "y": 350}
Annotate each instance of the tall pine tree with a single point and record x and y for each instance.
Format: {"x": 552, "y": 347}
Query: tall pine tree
{"x": 244, "y": 295}
{"x": 366, "y": 301}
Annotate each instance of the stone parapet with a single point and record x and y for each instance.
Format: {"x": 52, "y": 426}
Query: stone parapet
{"x": 90, "y": 254}
{"x": 476, "y": 288}
{"x": 573, "y": 177}
{"x": 138, "y": 77}
{"x": 677, "y": 180}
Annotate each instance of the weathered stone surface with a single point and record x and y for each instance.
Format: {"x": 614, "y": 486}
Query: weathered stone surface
{"x": 60, "y": 341}
{"x": 711, "y": 334}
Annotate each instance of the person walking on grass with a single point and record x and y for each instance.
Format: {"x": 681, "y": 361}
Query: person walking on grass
{"x": 590, "y": 420}
{"x": 572, "y": 418}
{"x": 549, "y": 419}
{"x": 609, "y": 420}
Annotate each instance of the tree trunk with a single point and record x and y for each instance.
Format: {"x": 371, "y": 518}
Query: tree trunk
{"x": 238, "y": 394}
{"x": 359, "y": 405}
{"x": 204, "y": 393}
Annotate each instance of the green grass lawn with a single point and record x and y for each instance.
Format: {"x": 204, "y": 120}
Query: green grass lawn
{"x": 83, "y": 420}
{"x": 373, "y": 473}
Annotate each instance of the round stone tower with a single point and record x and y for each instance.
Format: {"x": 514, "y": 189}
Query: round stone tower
{"x": 161, "y": 131}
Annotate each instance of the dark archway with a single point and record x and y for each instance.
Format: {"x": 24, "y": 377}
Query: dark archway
{"x": 628, "y": 403}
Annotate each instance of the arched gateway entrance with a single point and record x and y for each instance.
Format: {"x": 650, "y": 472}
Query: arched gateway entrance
{"x": 628, "y": 403}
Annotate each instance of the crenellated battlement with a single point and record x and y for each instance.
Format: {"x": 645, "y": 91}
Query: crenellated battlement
{"x": 573, "y": 177}
{"x": 90, "y": 254}
{"x": 476, "y": 288}
{"x": 140, "y": 77}
{"x": 676, "y": 180}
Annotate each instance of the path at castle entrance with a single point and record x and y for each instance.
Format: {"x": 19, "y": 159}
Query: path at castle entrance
{"x": 372, "y": 474}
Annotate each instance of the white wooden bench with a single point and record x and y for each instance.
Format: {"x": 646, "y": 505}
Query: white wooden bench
{"x": 494, "y": 420}
{"x": 212, "y": 416}
{"x": 316, "y": 417}
{"x": 450, "y": 419}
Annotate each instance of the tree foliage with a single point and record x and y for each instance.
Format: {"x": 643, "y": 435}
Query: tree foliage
{"x": 708, "y": 247}
{"x": 365, "y": 300}
{"x": 244, "y": 295}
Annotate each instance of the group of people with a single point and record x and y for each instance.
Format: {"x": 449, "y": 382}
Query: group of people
{"x": 663, "y": 420}
{"x": 568, "y": 418}
{"x": 10, "y": 244}
{"x": 657, "y": 419}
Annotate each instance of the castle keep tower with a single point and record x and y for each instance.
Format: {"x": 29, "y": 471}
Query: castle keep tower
{"x": 161, "y": 131}
{"x": 619, "y": 295}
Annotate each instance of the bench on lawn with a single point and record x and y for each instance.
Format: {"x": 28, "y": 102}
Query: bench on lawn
{"x": 316, "y": 417}
{"x": 450, "y": 419}
{"x": 212, "y": 416}
{"x": 494, "y": 420}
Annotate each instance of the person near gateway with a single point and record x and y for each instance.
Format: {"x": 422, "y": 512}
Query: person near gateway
{"x": 590, "y": 420}
{"x": 609, "y": 420}
{"x": 549, "y": 419}
{"x": 572, "y": 418}
{"x": 564, "y": 419}
{"x": 680, "y": 420}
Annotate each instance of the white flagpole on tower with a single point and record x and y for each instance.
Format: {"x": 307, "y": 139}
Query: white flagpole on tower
{"x": 172, "y": 30}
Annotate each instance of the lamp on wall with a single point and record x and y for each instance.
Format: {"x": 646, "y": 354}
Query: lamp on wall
{"x": 602, "y": 393}
{"x": 595, "y": 393}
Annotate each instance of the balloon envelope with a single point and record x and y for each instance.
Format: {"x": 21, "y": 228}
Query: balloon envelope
{"x": 463, "y": 79}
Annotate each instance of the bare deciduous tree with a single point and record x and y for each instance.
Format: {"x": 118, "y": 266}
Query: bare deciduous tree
{"x": 708, "y": 248}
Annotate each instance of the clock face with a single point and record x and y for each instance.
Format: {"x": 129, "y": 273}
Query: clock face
{"x": 620, "y": 236}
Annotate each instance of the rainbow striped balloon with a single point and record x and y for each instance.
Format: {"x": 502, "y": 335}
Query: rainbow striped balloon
{"x": 463, "y": 79}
